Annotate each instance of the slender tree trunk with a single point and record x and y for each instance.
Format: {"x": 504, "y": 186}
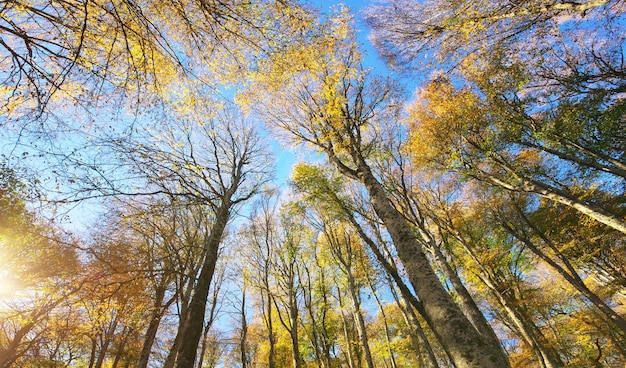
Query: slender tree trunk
{"x": 106, "y": 340}
{"x": 568, "y": 272}
{"x": 466, "y": 346}
{"x": 271, "y": 337}
{"x": 293, "y": 332}
{"x": 346, "y": 333}
{"x": 417, "y": 336}
{"x": 359, "y": 321}
{"x": 203, "y": 346}
{"x": 560, "y": 196}
{"x": 526, "y": 328}
{"x": 407, "y": 296}
{"x": 9, "y": 354}
{"x": 383, "y": 315}
{"x": 153, "y": 326}
{"x": 314, "y": 335}
{"x": 185, "y": 296}
{"x": 92, "y": 355}
{"x": 120, "y": 350}
{"x": 195, "y": 319}
{"x": 244, "y": 331}
{"x": 474, "y": 313}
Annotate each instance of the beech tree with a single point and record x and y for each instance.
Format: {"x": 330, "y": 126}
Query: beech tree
{"x": 338, "y": 112}
{"x": 94, "y": 52}
{"x": 221, "y": 167}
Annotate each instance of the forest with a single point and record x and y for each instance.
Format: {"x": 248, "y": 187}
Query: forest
{"x": 295, "y": 183}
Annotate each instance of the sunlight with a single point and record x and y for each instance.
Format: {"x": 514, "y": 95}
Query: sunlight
{"x": 9, "y": 284}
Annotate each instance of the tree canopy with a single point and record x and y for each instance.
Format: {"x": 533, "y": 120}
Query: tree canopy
{"x": 462, "y": 205}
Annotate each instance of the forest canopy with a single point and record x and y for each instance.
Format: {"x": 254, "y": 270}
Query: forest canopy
{"x": 199, "y": 183}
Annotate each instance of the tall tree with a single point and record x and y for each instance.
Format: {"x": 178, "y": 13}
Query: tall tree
{"x": 338, "y": 112}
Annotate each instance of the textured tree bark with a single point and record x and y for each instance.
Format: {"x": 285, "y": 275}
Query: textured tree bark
{"x": 417, "y": 336}
{"x": 473, "y": 312}
{"x": 467, "y": 348}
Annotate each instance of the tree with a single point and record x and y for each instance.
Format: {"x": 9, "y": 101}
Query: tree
{"x": 85, "y": 50}
{"x": 480, "y": 139}
{"x": 39, "y": 272}
{"x": 225, "y": 174}
{"x": 337, "y": 111}
{"x": 404, "y": 30}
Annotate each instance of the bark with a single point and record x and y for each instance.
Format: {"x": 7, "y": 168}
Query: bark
{"x": 526, "y": 328}
{"x": 474, "y": 313}
{"x": 293, "y": 332}
{"x": 269, "y": 324}
{"x": 106, "y": 340}
{"x": 153, "y": 326}
{"x": 120, "y": 350}
{"x": 466, "y": 346}
{"x": 560, "y": 196}
{"x": 616, "y": 168}
{"x": 346, "y": 333}
{"x": 244, "y": 331}
{"x": 185, "y": 296}
{"x": 195, "y": 319}
{"x": 314, "y": 335}
{"x": 360, "y": 322}
{"x": 92, "y": 354}
{"x": 417, "y": 336}
{"x": 407, "y": 295}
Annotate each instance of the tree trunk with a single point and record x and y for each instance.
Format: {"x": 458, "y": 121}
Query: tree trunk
{"x": 474, "y": 313}
{"x": 185, "y": 296}
{"x": 359, "y": 321}
{"x": 346, "y": 333}
{"x": 153, "y": 326}
{"x": 293, "y": 332}
{"x": 120, "y": 350}
{"x": 568, "y": 273}
{"x": 466, "y": 346}
{"x": 526, "y": 328}
{"x": 271, "y": 337}
{"x": 195, "y": 319}
{"x": 106, "y": 340}
{"x": 560, "y": 196}
{"x": 417, "y": 336}
{"x": 383, "y": 315}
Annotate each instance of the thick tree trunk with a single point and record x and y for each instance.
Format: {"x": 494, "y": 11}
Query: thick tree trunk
{"x": 417, "y": 336}
{"x": 466, "y": 346}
